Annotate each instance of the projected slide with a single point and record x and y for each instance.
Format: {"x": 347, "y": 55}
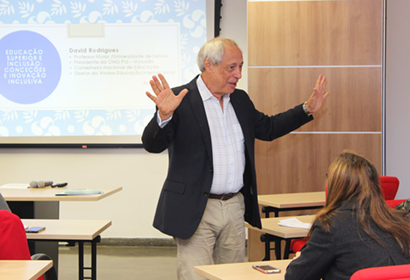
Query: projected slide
{"x": 77, "y": 69}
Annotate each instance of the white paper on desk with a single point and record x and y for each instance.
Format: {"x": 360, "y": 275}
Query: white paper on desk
{"x": 79, "y": 192}
{"x": 295, "y": 223}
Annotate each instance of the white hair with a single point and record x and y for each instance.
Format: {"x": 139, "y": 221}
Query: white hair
{"x": 213, "y": 50}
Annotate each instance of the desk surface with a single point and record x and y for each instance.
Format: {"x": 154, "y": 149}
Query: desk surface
{"x": 290, "y": 200}
{"x": 24, "y": 270}
{"x": 67, "y": 229}
{"x": 49, "y": 194}
{"x": 270, "y": 225}
{"x": 241, "y": 271}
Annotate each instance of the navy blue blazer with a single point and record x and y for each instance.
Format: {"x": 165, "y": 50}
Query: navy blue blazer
{"x": 187, "y": 137}
{"x": 343, "y": 251}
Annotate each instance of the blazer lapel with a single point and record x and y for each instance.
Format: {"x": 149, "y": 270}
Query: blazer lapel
{"x": 200, "y": 116}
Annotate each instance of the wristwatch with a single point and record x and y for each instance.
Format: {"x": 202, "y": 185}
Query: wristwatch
{"x": 306, "y": 109}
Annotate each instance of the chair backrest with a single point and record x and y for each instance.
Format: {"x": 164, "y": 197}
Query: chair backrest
{"x": 394, "y": 272}
{"x": 389, "y": 185}
{"x": 13, "y": 239}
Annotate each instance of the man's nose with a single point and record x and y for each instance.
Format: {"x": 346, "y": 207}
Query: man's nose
{"x": 238, "y": 73}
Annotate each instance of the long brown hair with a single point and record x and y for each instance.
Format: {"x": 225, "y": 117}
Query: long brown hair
{"x": 354, "y": 179}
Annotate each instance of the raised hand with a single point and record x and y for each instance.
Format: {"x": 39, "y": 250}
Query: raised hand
{"x": 318, "y": 96}
{"x": 164, "y": 97}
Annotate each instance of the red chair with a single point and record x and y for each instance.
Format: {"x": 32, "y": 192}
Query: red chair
{"x": 394, "y": 203}
{"x": 394, "y": 272}
{"x": 389, "y": 186}
{"x": 297, "y": 244}
{"x": 13, "y": 242}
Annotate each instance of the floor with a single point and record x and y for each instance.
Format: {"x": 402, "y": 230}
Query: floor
{"x": 122, "y": 262}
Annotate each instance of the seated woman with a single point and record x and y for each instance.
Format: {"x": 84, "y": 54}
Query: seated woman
{"x": 356, "y": 228}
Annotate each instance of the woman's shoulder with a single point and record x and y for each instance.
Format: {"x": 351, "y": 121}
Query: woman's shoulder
{"x": 340, "y": 221}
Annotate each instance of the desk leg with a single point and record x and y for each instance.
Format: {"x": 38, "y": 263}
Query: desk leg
{"x": 81, "y": 267}
{"x": 94, "y": 257}
{"x": 267, "y": 238}
{"x": 80, "y": 260}
{"x": 278, "y": 249}
{"x": 287, "y": 249}
{"x": 267, "y": 250}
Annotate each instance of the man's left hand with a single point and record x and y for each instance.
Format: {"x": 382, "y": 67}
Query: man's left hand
{"x": 318, "y": 96}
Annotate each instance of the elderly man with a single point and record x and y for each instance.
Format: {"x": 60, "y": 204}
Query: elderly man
{"x": 209, "y": 128}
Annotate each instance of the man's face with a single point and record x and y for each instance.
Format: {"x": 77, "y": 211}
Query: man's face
{"x": 225, "y": 76}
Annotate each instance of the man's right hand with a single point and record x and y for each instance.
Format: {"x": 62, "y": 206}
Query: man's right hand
{"x": 164, "y": 97}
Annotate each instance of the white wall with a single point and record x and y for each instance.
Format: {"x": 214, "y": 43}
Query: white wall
{"x": 398, "y": 94}
{"x": 234, "y": 24}
{"x": 139, "y": 173}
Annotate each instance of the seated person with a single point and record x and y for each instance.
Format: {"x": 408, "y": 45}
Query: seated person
{"x": 356, "y": 229}
{"x": 13, "y": 240}
{"x": 3, "y": 204}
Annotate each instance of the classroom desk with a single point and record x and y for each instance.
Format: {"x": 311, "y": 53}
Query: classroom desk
{"x": 287, "y": 202}
{"x": 241, "y": 271}
{"x": 42, "y": 203}
{"x": 291, "y": 201}
{"x": 79, "y": 231}
{"x": 24, "y": 270}
{"x": 270, "y": 226}
{"x": 49, "y": 194}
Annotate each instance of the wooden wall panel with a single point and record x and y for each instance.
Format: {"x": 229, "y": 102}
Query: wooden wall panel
{"x": 354, "y": 93}
{"x": 290, "y": 44}
{"x": 315, "y": 32}
{"x": 299, "y": 162}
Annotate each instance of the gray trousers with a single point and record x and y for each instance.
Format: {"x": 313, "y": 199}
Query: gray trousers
{"x": 220, "y": 238}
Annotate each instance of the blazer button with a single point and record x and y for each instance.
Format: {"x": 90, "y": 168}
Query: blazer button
{"x": 206, "y": 194}
{"x": 211, "y": 170}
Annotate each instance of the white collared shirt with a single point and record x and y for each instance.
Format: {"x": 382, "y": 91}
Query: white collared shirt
{"x": 228, "y": 143}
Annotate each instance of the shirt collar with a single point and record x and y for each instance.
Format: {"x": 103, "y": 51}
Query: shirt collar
{"x": 204, "y": 91}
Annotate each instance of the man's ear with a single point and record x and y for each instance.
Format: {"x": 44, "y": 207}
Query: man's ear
{"x": 208, "y": 65}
